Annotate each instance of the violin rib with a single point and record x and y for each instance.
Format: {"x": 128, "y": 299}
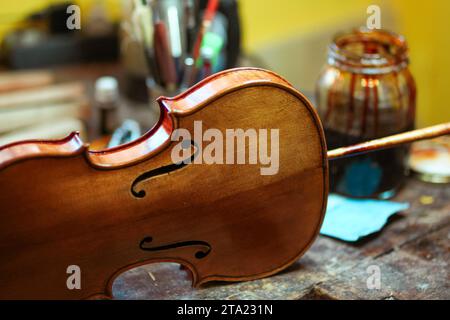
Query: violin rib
{"x": 21, "y": 150}
{"x": 218, "y": 85}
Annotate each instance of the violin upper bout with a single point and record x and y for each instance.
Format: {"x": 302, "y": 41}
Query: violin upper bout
{"x": 218, "y": 85}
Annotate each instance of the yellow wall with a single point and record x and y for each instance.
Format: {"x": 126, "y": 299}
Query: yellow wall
{"x": 267, "y": 20}
{"x": 424, "y": 23}
{"x": 12, "y": 11}
{"x": 426, "y": 26}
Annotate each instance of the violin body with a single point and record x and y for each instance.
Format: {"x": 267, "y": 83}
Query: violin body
{"x": 108, "y": 211}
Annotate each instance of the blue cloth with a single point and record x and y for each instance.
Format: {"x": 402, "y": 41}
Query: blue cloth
{"x": 352, "y": 219}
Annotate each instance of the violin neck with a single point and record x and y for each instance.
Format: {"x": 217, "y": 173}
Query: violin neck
{"x": 390, "y": 141}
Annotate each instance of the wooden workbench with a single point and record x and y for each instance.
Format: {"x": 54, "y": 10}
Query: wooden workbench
{"x": 412, "y": 252}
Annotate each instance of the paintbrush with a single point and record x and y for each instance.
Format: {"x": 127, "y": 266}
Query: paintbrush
{"x": 163, "y": 56}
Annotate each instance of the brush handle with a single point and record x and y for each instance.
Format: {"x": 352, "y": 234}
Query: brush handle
{"x": 390, "y": 141}
{"x": 166, "y": 64}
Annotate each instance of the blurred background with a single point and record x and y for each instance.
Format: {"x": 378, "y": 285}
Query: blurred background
{"x": 290, "y": 37}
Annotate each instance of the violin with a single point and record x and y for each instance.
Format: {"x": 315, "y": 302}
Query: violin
{"x": 66, "y": 209}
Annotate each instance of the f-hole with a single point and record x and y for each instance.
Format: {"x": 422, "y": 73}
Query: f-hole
{"x": 200, "y": 254}
{"x": 163, "y": 170}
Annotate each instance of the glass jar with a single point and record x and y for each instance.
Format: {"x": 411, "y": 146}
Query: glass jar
{"x": 366, "y": 91}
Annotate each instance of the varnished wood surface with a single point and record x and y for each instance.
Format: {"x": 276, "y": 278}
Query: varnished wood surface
{"x": 79, "y": 208}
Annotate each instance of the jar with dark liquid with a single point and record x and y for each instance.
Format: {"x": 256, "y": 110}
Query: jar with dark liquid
{"x": 366, "y": 91}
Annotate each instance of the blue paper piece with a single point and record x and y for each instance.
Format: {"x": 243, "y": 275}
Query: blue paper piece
{"x": 351, "y": 219}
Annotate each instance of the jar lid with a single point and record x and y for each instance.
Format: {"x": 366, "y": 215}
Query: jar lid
{"x": 430, "y": 160}
{"x": 369, "y": 51}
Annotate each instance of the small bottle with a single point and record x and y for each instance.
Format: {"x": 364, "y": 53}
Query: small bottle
{"x": 107, "y": 103}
